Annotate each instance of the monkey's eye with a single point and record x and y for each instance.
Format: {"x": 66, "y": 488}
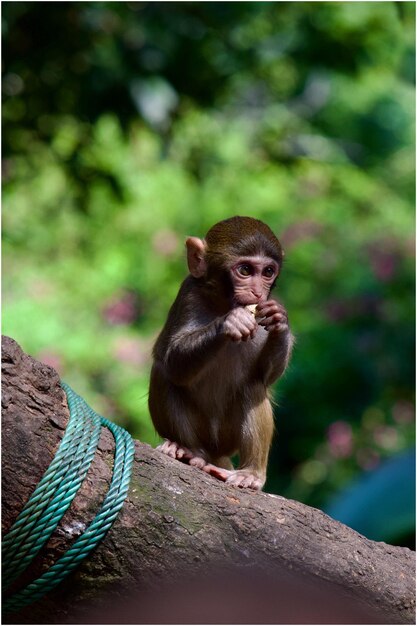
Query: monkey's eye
{"x": 244, "y": 269}
{"x": 269, "y": 272}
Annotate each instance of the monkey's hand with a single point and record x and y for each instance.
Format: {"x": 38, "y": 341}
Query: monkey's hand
{"x": 239, "y": 324}
{"x": 272, "y": 316}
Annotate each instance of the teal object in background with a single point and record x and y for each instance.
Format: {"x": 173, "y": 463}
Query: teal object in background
{"x": 381, "y": 504}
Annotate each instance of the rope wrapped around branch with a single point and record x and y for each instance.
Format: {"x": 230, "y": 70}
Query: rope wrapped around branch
{"x": 54, "y": 494}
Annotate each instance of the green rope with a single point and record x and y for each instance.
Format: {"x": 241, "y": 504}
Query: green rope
{"x": 54, "y": 494}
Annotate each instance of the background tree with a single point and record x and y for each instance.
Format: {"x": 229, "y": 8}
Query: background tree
{"x": 127, "y": 126}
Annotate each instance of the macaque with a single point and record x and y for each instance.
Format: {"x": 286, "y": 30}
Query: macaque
{"x": 224, "y": 343}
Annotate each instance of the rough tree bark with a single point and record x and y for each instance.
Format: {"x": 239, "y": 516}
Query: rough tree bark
{"x": 186, "y": 548}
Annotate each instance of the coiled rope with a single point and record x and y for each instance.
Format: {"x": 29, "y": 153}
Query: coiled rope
{"x": 54, "y": 494}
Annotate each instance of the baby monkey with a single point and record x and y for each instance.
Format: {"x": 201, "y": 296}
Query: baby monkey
{"x": 215, "y": 357}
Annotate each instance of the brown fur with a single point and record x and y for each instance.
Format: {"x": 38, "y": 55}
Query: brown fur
{"x": 207, "y": 393}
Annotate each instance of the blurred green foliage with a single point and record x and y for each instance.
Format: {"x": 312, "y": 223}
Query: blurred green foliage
{"x": 129, "y": 125}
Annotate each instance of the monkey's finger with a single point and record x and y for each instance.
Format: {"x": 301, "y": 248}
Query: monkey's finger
{"x": 245, "y": 329}
{"x": 277, "y": 328}
{"x": 272, "y": 303}
{"x": 267, "y": 315}
{"x": 266, "y": 306}
{"x": 274, "y": 318}
{"x": 233, "y": 332}
{"x": 270, "y": 322}
{"x": 250, "y": 333}
{"x": 269, "y": 307}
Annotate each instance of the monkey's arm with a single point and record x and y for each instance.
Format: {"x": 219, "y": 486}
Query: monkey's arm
{"x": 184, "y": 349}
{"x": 275, "y": 356}
{"x": 188, "y": 352}
{"x": 276, "y": 353}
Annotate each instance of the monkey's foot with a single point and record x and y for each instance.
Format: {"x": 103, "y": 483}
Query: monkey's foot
{"x": 237, "y": 478}
{"x": 174, "y": 450}
{"x": 219, "y": 472}
{"x": 244, "y": 478}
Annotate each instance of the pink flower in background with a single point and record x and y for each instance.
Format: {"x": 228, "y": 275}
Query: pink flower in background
{"x": 340, "y": 440}
{"x": 384, "y": 265}
{"x": 403, "y": 412}
{"x": 384, "y": 259}
{"x": 121, "y": 309}
{"x": 131, "y": 351}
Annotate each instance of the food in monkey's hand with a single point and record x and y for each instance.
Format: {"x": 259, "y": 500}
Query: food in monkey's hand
{"x": 252, "y": 308}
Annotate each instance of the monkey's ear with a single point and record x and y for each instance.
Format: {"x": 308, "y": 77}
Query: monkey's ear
{"x": 195, "y": 256}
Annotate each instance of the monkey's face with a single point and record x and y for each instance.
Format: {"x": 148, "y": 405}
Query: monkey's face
{"x": 237, "y": 263}
{"x": 252, "y": 279}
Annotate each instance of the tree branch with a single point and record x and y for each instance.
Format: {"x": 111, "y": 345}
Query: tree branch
{"x": 187, "y": 548}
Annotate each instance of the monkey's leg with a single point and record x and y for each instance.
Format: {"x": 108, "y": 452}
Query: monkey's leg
{"x": 254, "y": 447}
{"x": 174, "y": 418}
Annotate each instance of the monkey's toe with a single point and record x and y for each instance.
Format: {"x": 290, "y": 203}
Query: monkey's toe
{"x": 166, "y": 448}
{"x": 198, "y": 461}
{"x": 218, "y": 472}
{"x": 173, "y": 449}
{"x": 244, "y": 479}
